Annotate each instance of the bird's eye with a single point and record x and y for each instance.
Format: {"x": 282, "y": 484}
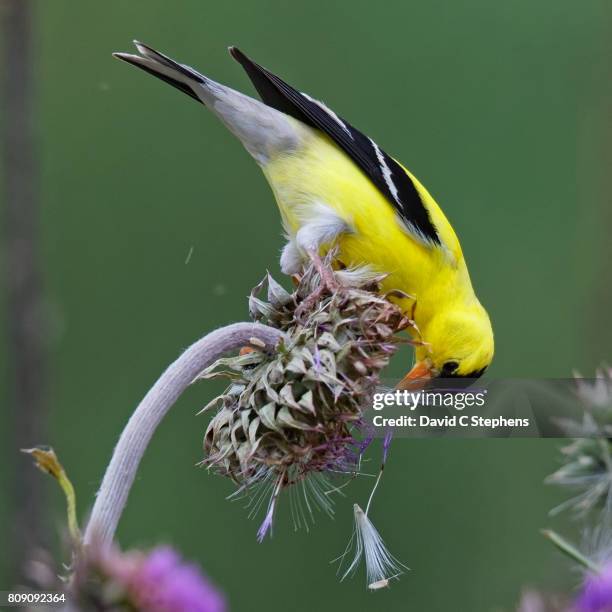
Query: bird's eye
{"x": 449, "y": 369}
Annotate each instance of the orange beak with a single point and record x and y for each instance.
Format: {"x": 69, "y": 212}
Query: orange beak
{"x": 415, "y": 379}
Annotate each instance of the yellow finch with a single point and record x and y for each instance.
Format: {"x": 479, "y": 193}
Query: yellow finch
{"x": 336, "y": 187}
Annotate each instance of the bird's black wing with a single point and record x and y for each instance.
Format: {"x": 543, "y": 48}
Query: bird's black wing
{"x": 388, "y": 176}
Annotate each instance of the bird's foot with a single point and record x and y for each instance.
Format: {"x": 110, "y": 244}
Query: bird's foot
{"x": 328, "y": 284}
{"x": 328, "y": 280}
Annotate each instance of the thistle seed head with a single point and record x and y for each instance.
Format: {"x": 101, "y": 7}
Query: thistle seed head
{"x": 292, "y": 416}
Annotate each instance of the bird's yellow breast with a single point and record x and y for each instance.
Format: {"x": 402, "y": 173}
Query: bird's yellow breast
{"x": 320, "y": 173}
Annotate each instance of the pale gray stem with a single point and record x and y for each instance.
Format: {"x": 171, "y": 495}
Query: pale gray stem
{"x": 121, "y": 470}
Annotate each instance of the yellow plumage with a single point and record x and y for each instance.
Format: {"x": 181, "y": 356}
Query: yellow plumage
{"x": 447, "y": 312}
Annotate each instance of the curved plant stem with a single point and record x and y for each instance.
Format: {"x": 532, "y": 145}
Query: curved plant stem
{"x": 120, "y": 473}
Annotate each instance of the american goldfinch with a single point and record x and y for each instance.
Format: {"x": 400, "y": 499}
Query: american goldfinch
{"x": 335, "y": 187}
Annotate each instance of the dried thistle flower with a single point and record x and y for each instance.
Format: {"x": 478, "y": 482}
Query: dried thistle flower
{"x": 587, "y": 460}
{"x": 293, "y": 417}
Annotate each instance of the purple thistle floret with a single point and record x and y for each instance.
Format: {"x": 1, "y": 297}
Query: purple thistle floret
{"x": 165, "y": 583}
{"x": 266, "y": 524}
{"x": 366, "y": 440}
{"x": 596, "y": 595}
{"x": 155, "y": 581}
{"x": 317, "y": 359}
{"x": 387, "y": 444}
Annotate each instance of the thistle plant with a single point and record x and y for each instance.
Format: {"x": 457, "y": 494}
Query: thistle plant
{"x": 291, "y": 419}
{"x": 154, "y": 581}
{"x": 587, "y": 459}
{"x": 595, "y": 561}
{"x": 105, "y": 579}
{"x": 121, "y": 471}
{"x": 587, "y": 468}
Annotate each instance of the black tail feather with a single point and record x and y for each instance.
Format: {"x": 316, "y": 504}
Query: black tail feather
{"x": 158, "y": 65}
{"x": 156, "y": 56}
{"x": 133, "y": 59}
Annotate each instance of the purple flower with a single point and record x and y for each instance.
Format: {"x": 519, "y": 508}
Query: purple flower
{"x": 156, "y": 581}
{"x": 596, "y": 595}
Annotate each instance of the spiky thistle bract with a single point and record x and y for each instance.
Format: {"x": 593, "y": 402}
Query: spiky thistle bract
{"x": 587, "y": 459}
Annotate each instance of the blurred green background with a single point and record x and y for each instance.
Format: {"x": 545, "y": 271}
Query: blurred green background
{"x": 501, "y": 109}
